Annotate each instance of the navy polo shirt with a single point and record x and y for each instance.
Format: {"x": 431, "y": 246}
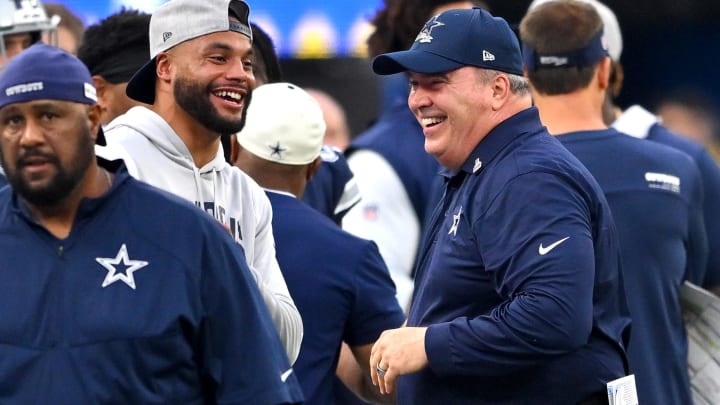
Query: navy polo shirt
{"x": 519, "y": 279}
{"x": 340, "y": 286}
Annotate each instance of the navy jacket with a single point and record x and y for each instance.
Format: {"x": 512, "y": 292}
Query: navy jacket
{"x": 147, "y": 301}
{"x": 519, "y": 279}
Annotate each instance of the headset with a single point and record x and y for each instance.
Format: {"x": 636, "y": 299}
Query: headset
{"x": 25, "y": 16}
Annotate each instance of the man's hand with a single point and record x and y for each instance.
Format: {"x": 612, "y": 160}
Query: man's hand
{"x": 397, "y": 352}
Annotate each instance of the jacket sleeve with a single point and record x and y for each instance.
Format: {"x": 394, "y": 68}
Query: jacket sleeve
{"x": 710, "y": 172}
{"x": 697, "y": 244}
{"x": 241, "y": 356}
{"x": 271, "y": 282}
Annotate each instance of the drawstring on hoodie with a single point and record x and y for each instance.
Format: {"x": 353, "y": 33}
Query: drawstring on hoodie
{"x": 198, "y": 187}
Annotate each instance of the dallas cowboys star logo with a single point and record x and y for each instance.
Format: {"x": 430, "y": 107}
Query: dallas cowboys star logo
{"x": 456, "y": 222}
{"x": 114, "y": 275}
{"x": 425, "y": 36}
{"x": 277, "y": 150}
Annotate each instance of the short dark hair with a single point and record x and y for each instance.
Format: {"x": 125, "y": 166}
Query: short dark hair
{"x": 399, "y": 22}
{"x": 266, "y": 49}
{"x": 127, "y": 31}
{"x": 558, "y": 27}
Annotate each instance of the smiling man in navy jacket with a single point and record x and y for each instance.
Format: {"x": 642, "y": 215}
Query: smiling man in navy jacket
{"x": 519, "y": 296}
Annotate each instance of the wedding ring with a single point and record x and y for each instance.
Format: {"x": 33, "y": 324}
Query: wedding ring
{"x": 380, "y": 370}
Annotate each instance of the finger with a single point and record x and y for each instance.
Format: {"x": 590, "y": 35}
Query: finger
{"x": 375, "y": 358}
{"x": 389, "y": 381}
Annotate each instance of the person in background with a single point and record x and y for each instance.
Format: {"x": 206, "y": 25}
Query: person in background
{"x": 694, "y": 115}
{"x": 198, "y": 84}
{"x": 70, "y": 27}
{"x": 339, "y": 282}
{"x": 24, "y": 23}
{"x": 518, "y": 287}
{"x": 337, "y": 133}
{"x": 398, "y": 181}
{"x": 332, "y": 190}
{"x": 114, "y": 49}
{"x": 568, "y": 66}
{"x": 112, "y": 290}
{"x": 640, "y": 123}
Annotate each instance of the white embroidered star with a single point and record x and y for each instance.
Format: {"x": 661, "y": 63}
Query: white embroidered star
{"x": 425, "y": 35}
{"x": 113, "y": 275}
{"x": 456, "y": 222}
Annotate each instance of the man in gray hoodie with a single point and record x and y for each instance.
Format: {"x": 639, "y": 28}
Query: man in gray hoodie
{"x": 198, "y": 85}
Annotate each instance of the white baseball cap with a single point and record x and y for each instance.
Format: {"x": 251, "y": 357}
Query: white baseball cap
{"x": 611, "y": 26}
{"x": 284, "y": 124}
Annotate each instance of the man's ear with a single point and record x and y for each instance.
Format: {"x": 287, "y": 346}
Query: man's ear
{"x": 163, "y": 66}
{"x": 313, "y": 167}
{"x": 94, "y": 118}
{"x": 101, "y": 88}
{"x": 500, "y": 90}
{"x": 603, "y": 72}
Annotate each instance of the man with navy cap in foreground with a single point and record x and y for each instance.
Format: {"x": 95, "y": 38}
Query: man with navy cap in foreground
{"x": 113, "y": 291}
{"x": 518, "y": 289}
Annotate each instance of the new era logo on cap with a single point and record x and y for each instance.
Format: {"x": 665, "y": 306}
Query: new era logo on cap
{"x": 166, "y": 36}
{"x": 487, "y": 56}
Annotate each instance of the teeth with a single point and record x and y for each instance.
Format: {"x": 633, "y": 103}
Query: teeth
{"x": 230, "y": 94}
{"x": 431, "y": 121}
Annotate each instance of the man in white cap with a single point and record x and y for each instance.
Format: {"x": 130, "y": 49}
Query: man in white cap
{"x": 198, "y": 84}
{"x": 339, "y": 282}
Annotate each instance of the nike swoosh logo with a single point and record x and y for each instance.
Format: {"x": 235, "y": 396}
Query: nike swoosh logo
{"x": 545, "y": 250}
{"x": 284, "y": 376}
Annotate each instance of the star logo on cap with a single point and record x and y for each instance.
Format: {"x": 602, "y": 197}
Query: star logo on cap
{"x": 425, "y": 36}
{"x": 277, "y": 150}
{"x": 120, "y": 260}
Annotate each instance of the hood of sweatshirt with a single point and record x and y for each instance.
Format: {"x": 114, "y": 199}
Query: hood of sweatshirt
{"x": 160, "y": 133}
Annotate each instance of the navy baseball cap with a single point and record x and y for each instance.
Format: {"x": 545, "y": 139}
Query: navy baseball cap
{"x": 457, "y": 38}
{"x": 178, "y": 21}
{"x": 44, "y": 72}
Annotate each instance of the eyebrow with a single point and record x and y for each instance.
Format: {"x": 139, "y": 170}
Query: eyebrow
{"x": 214, "y": 46}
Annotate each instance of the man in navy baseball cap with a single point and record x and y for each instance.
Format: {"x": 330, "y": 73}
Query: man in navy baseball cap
{"x": 457, "y": 38}
{"x": 46, "y": 72}
{"x": 518, "y": 292}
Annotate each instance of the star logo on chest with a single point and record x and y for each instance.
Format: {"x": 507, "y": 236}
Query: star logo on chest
{"x": 277, "y": 150}
{"x": 456, "y": 222}
{"x": 120, "y": 268}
